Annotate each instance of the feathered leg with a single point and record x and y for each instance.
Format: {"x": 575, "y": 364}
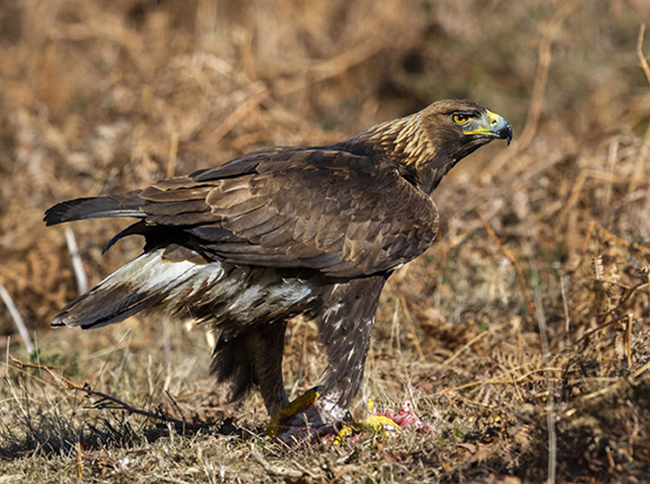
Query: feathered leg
{"x": 345, "y": 324}
{"x": 266, "y": 347}
{"x": 254, "y": 357}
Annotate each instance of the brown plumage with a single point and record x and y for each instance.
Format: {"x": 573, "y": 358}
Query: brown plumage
{"x": 284, "y": 231}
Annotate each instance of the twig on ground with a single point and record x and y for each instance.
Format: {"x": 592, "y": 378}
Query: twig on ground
{"x": 17, "y": 319}
{"x": 106, "y": 400}
{"x": 511, "y": 258}
{"x": 272, "y": 470}
{"x": 602, "y": 326}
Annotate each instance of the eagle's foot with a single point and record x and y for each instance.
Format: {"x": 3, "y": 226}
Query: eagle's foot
{"x": 309, "y": 416}
{"x": 312, "y": 416}
{"x": 304, "y": 400}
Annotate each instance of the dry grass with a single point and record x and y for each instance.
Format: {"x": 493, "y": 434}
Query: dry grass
{"x": 109, "y": 96}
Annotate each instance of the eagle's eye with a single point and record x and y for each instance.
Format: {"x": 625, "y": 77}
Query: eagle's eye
{"x": 460, "y": 118}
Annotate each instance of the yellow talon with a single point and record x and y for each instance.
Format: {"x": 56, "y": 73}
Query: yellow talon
{"x": 307, "y": 398}
{"x": 344, "y": 432}
{"x": 377, "y": 423}
{"x": 374, "y": 423}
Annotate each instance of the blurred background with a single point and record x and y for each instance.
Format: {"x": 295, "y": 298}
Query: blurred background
{"x": 107, "y": 96}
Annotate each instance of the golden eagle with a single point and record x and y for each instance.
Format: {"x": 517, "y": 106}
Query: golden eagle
{"x": 280, "y": 232}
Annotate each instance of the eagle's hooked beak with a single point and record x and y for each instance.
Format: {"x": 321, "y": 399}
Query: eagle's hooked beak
{"x": 498, "y": 128}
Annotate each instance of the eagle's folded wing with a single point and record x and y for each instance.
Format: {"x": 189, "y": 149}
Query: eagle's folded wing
{"x": 341, "y": 213}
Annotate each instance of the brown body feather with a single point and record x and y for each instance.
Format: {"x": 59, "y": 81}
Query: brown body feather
{"x": 284, "y": 231}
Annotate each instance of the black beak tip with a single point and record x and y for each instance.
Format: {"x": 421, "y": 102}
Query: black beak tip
{"x": 506, "y": 133}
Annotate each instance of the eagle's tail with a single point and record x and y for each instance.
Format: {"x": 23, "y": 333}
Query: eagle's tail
{"x": 141, "y": 283}
{"x": 124, "y": 205}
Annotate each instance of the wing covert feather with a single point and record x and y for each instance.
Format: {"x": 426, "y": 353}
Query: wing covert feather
{"x": 366, "y": 217}
{"x": 331, "y": 210}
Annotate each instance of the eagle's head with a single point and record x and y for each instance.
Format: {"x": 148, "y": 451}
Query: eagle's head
{"x": 456, "y": 127}
{"x": 429, "y": 143}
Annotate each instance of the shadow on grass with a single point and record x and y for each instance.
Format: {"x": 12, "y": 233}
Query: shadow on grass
{"x": 41, "y": 429}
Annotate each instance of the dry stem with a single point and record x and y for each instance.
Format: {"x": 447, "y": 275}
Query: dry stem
{"x": 640, "y": 55}
{"x": 609, "y": 236}
{"x": 17, "y": 319}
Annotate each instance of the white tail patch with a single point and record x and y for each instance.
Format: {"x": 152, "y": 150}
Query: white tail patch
{"x": 213, "y": 291}
{"x": 143, "y": 282}
{"x": 150, "y": 272}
